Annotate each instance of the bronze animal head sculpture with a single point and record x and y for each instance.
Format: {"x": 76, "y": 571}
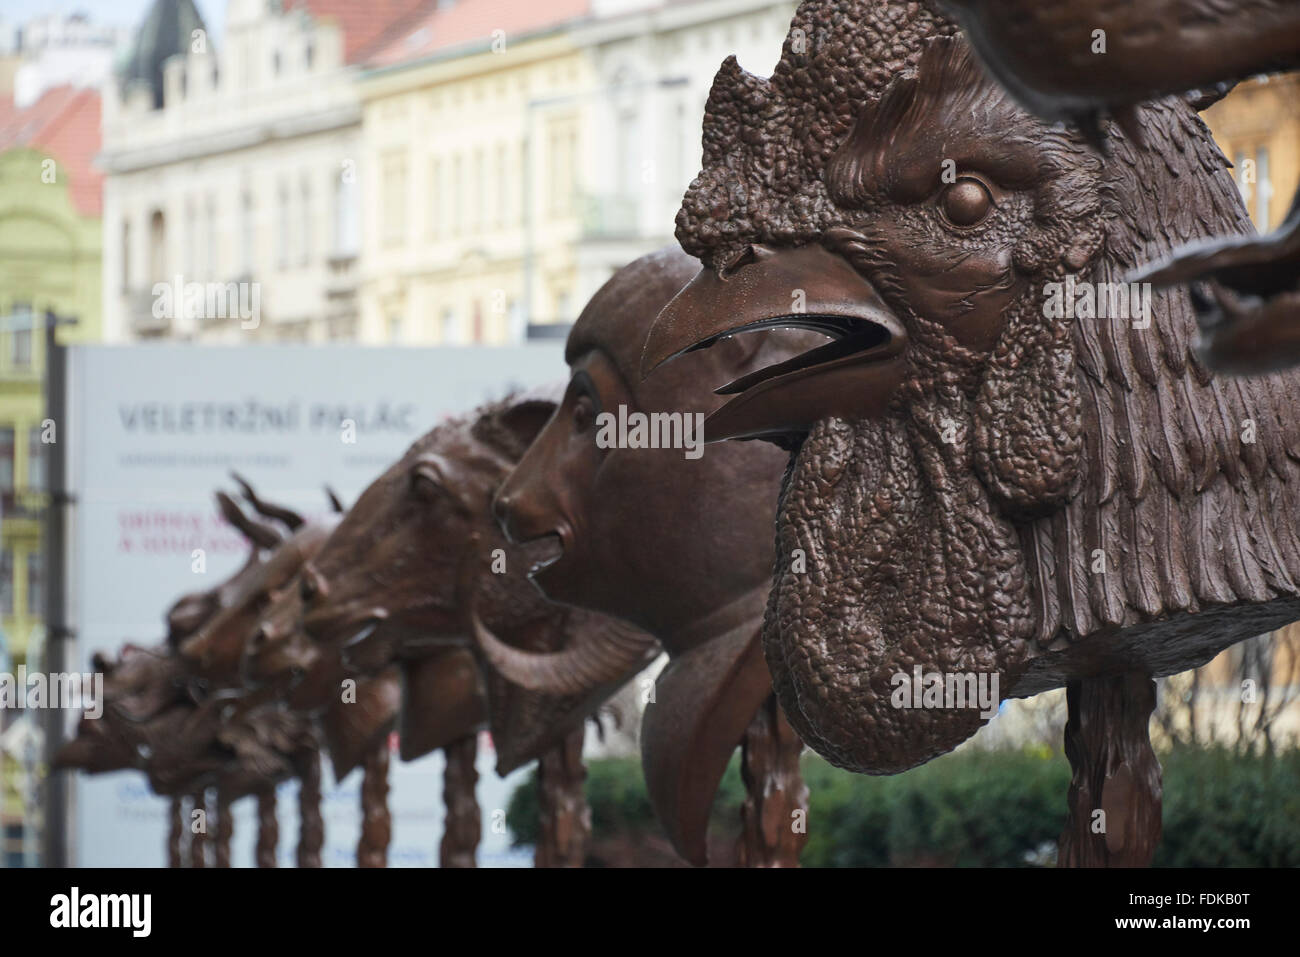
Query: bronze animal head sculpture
{"x": 189, "y": 612}
{"x": 678, "y": 544}
{"x": 1074, "y": 60}
{"x": 157, "y": 717}
{"x": 982, "y": 486}
{"x": 188, "y": 729}
{"x": 395, "y": 581}
{"x": 215, "y": 651}
{"x": 626, "y": 524}
{"x": 139, "y": 685}
{"x": 280, "y": 665}
{"x": 151, "y": 723}
{"x": 410, "y": 529}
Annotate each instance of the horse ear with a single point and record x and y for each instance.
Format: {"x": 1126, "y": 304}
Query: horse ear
{"x": 336, "y": 503}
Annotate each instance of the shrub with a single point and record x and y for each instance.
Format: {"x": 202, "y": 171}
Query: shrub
{"x": 984, "y": 809}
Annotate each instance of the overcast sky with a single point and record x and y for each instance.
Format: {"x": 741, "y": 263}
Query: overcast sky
{"x": 127, "y": 13}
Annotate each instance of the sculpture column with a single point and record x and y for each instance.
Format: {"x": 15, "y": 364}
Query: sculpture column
{"x": 1115, "y": 791}
{"x": 199, "y": 830}
{"x": 311, "y": 828}
{"x": 565, "y": 817}
{"x": 224, "y": 829}
{"x": 376, "y": 825}
{"x": 268, "y": 829}
{"x": 175, "y": 832}
{"x": 774, "y": 817}
{"x": 463, "y": 823}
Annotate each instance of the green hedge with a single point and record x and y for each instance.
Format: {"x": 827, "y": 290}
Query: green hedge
{"x": 1229, "y": 810}
{"x": 985, "y": 808}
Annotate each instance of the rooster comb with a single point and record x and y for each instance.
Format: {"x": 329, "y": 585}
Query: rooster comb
{"x": 767, "y": 141}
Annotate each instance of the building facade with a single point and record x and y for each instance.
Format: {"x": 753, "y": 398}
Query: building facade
{"x": 235, "y": 171}
{"x": 49, "y": 264}
{"x": 432, "y": 171}
{"x": 59, "y": 50}
{"x": 471, "y": 154}
{"x": 654, "y": 64}
{"x": 1257, "y": 126}
{"x": 576, "y": 132}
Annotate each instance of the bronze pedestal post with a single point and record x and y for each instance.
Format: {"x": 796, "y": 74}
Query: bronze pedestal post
{"x": 376, "y": 823}
{"x": 565, "y": 825}
{"x": 311, "y": 828}
{"x": 463, "y": 823}
{"x": 774, "y": 816}
{"x": 1115, "y": 792}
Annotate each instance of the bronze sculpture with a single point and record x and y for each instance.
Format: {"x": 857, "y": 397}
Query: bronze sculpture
{"x": 981, "y": 486}
{"x": 185, "y": 747}
{"x": 392, "y": 586}
{"x": 191, "y": 724}
{"x": 354, "y": 723}
{"x": 264, "y": 739}
{"x": 641, "y": 533}
{"x": 354, "y": 730}
{"x": 1072, "y": 61}
{"x": 159, "y": 721}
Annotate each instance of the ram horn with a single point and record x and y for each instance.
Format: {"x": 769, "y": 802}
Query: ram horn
{"x": 260, "y": 534}
{"x": 596, "y": 656}
{"x": 266, "y": 509}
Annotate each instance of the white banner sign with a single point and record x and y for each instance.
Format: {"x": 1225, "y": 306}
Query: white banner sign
{"x": 152, "y": 432}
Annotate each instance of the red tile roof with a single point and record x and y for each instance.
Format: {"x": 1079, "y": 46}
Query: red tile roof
{"x": 465, "y": 22}
{"x": 63, "y": 123}
{"x": 367, "y": 25}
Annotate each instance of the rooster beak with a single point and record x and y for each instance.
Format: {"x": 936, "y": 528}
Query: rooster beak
{"x": 807, "y": 287}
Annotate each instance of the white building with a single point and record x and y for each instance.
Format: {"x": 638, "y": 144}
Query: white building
{"x": 236, "y": 169}
{"x": 517, "y": 154}
{"x": 59, "y": 50}
{"x": 507, "y": 177}
{"x": 654, "y": 62}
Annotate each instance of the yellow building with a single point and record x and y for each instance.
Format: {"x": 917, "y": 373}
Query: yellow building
{"x": 50, "y": 202}
{"x": 1257, "y": 126}
{"x": 469, "y": 160}
{"x": 514, "y": 154}
{"x": 49, "y": 263}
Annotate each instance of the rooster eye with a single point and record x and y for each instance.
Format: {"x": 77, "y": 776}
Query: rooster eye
{"x": 966, "y": 202}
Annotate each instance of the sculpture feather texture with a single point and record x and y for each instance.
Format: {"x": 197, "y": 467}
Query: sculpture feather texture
{"x": 1047, "y": 497}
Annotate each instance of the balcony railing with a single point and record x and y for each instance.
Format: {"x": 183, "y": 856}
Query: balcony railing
{"x": 342, "y": 278}
{"x": 609, "y": 216}
{"x": 139, "y": 310}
